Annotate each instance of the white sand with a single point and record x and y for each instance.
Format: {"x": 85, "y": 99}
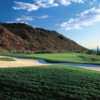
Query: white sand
{"x": 20, "y": 63}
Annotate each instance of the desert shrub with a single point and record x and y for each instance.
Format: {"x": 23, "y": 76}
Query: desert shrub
{"x": 39, "y": 52}
{"x": 90, "y": 52}
{"x": 98, "y": 53}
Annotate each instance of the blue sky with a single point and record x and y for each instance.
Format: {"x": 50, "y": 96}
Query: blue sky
{"x": 76, "y": 19}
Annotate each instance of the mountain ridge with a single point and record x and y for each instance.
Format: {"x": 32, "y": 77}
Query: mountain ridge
{"x": 23, "y": 37}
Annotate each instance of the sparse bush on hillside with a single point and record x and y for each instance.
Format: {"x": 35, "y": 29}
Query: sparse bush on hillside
{"x": 90, "y": 52}
{"x": 41, "y": 52}
{"x": 98, "y": 51}
{"x": 21, "y": 52}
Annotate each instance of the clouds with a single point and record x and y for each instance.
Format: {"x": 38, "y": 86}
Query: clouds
{"x": 25, "y": 6}
{"x": 24, "y": 19}
{"x": 84, "y": 19}
{"x": 27, "y": 19}
{"x": 42, "y": 17}
{"x": 37, "y": 4}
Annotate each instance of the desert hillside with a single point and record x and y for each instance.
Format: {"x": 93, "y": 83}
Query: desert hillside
{"x": 23, "y": 37}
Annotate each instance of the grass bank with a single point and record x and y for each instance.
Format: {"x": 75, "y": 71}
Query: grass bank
{"x": 4, "y": 58}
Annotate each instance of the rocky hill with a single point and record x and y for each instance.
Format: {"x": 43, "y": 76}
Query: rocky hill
{"x": 22, "y": 37}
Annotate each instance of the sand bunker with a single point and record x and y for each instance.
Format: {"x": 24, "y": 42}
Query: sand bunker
{"x": 21, "y": 63}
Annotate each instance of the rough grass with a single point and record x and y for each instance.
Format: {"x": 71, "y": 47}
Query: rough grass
{"x": 58, "y": 82}
{"x": 6, "y": 58}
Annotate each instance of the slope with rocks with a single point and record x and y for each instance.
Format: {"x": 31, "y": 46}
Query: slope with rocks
{"x": 23, "y": 37}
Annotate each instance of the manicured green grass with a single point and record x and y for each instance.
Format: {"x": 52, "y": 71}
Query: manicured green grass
{"x": 56, "y": 82}
{"x": 70, "y": 57}
{"x": 6, "y": 58}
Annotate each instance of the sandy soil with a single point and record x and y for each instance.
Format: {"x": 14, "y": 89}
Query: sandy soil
{"x": 20, "y": 63}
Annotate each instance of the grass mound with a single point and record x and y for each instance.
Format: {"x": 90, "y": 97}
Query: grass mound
{"x": 56, "y": 82}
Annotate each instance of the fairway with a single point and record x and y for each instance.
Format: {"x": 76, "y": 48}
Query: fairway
{"x": 60, "y": 57}
{"x": 49, "y": 83}
{"x": 69, "y": 57}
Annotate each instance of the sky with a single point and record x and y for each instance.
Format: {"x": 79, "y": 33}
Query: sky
{"x": 78, "y": 20}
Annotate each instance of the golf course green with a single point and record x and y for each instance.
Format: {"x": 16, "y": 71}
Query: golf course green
{"x": 60, "y": 57}
{"x": 69, "y": 57}
{"x": 51, "y": 82}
